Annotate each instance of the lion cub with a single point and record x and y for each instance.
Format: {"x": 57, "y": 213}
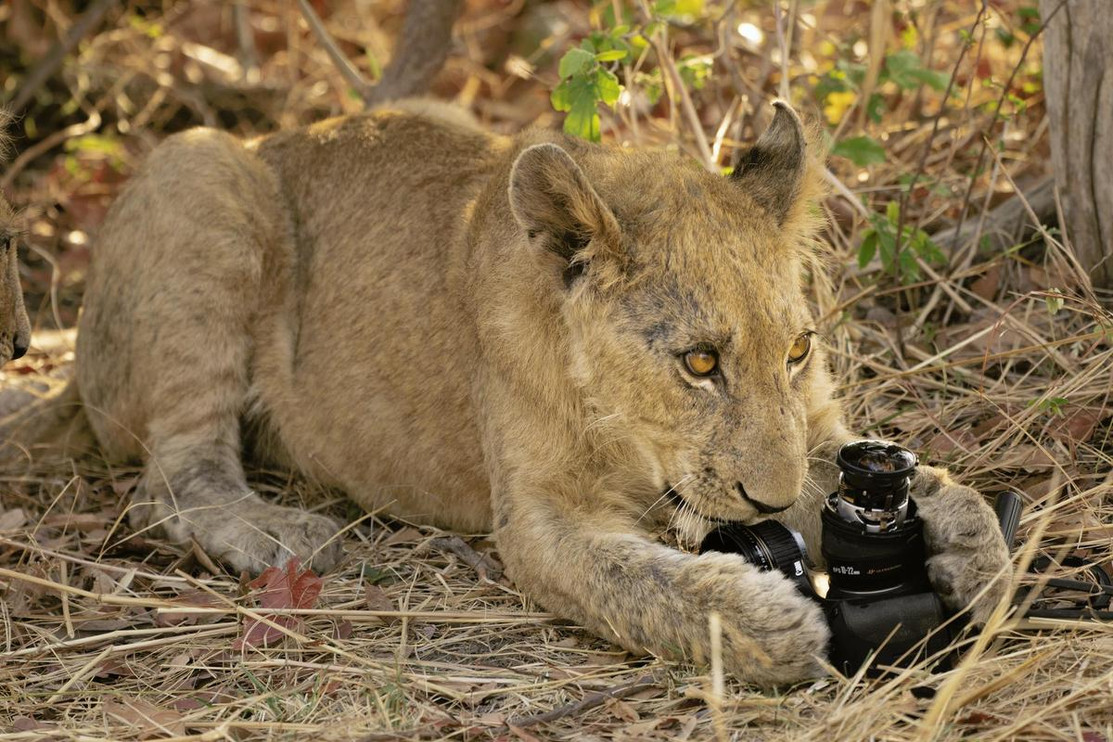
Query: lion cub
{"x": 15, "y": 327}
{"x": 574, "y": 346}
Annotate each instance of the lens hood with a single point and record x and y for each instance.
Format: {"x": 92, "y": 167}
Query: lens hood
{"x": 875, "y": 465}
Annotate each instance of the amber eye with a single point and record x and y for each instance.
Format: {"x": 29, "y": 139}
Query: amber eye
{"x": 800, "y": 347}
{"x": 701, "y": 362}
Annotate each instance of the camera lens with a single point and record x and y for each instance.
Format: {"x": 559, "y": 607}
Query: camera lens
{"x": 872, "y": 540}
{"x": 768, "y": 545}
{"x": 875, "y": 471}
{"x": 873, "y": 484}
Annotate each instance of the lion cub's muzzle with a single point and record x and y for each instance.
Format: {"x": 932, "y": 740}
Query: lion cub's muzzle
{"x": 758, "y": 505}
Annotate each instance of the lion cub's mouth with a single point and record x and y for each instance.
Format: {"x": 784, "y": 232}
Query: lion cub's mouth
{"x": 683, "y": 505}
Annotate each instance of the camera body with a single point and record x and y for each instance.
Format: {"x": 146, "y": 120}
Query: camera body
{"x": 875, "y": 593}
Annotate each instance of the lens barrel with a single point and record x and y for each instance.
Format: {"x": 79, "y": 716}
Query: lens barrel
{"x": 872, "y": 541}
{"x": 768, "y": 545}
{"x": 863, "y": 563}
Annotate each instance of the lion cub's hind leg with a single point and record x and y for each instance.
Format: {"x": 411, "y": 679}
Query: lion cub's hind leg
{"x": 190, "y": 261}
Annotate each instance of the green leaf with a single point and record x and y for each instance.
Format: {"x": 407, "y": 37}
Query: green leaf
{"x": 908, "y": 72}
{"x": 867, "y": 249}
{"x": 875, "y": 108}
{"x": 861, "y": 151}
{"x": 607, "y": 87}
{"x": 928, "y": 250}
{"x": 1054, "y": 301}
{"x": 892, "y": 212}
{"x": 909, "y": 268}
{"x": 574, "y": 62}
{"x": 583, "y": 120}
{"x": 935, "y": 80}
{"x": 561, "y": 97}
{"x": 614, "y": 55}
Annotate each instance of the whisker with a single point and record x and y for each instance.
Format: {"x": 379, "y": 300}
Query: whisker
{"x": 663, "y": 496}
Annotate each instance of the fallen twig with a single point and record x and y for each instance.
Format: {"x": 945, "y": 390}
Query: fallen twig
{"x": 587, "y": 703}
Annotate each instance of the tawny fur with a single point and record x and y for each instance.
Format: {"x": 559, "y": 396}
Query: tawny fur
{"x": 15, "y": 327}
{"x": 485, "y": 333}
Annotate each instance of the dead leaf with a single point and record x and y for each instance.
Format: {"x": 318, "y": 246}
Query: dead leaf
{"x": 623, "y": 710}
{"x": 288, "y": 587}
{"x": 114, "y": 667}
{"x": 81, "y": 522}
{"x": 124, "y": 485}
{"x": 378, "y": 600}
{"x": 1075, "y": 425}
{"x": 952, "y": 441}
{"x": 27, "y": 724}
{"x": 639, "y": 731}
{"x": 12, "y": 520}
{"x": 343, "y": 630}
{"x": 402, "y": 536}
{"x": 493, "y": 719}
{"x": 987, "y": 284}
{"x": 1026, "y": 457}
{"x": 522, "y": 734}
{"x": 147, "y": 717}
{"x": 196, "y": 598}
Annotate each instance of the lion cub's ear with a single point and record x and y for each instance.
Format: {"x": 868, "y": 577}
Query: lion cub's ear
{"x": 772, "y": 171}
{"x": 555, "y": 204}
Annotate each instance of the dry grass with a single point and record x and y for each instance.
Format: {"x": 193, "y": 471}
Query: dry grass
{"x": 108, "y": 634}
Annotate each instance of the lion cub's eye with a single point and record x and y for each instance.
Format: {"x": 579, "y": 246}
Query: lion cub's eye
{"x": 701, "y": 362}
{"x": 800, "y": 347}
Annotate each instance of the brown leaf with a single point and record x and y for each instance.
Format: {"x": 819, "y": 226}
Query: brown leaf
{"x": 1075, "y": 425}
{"x": 124, "y": 485}
{"x": 522, "y": 734}
{"x": 987, "y": 284}
{"x": 288, "y": 587}
{"x": 12, "y": 520}
{"x": 114, "y": 667}
{"x": 82, "y": 522}
{"x": 147, "y": 717}
{"x": 27, "y": 724}
{"x": 951, "y": 441}
{"x": 623, "y": 710}
{"x": 196, "y": 598}
{"x": 378, "y": 600}
{"x": 1026, "y": 457}
{"x": 402, "y": 536}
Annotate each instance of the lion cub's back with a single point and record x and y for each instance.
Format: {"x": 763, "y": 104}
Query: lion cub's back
{"x": 380, "y": 389}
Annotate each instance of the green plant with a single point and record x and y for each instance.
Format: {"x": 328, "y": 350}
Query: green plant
{"x": 587, "y": 81}
{"x": 880, "y": 239}
{"x": 587, "y": 72}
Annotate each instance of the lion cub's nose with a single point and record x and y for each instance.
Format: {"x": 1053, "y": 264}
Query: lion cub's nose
{"x": 18, "y": 350}
{"x": 761, "y": 507}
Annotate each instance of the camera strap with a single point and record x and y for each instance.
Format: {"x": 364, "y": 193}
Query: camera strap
{"x": 1086, "y": 600}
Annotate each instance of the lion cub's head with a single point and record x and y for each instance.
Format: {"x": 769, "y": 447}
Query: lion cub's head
{"x": 689, "y": 335}
{"x": 15, "y": 328}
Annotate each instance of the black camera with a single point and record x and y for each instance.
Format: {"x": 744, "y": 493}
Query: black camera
{"x": 875, "y": 593}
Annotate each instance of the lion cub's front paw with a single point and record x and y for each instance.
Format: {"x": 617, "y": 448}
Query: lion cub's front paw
{"x": 245, "y": 532}
{"x": 772, "y": 634}
{"x": 966, "y": 551}
{"x": 275, "y": 533}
